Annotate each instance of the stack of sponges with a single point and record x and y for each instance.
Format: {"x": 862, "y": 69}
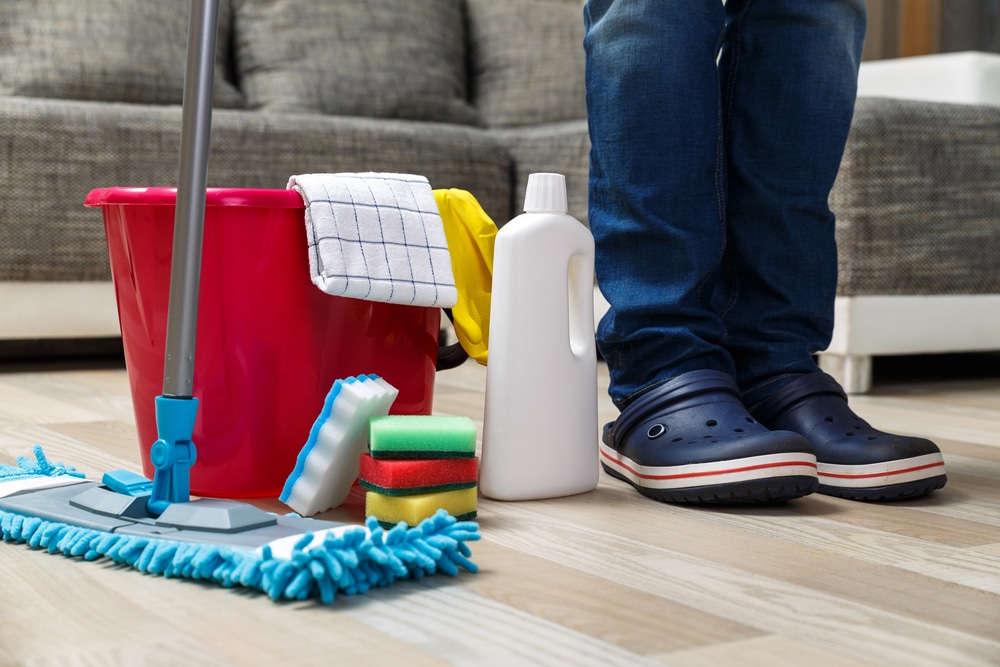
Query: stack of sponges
{"x": 417, "y": 465}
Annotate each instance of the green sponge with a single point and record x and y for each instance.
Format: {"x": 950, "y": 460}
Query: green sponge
{"x": 421, "y": 437}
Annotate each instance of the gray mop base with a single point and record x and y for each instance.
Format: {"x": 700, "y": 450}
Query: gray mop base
{"x": 205, "y": 520}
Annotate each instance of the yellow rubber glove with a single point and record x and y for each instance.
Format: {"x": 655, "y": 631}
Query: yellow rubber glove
{"x": 470, "y": 233}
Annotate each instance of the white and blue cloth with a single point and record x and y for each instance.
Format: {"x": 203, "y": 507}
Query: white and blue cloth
{"x": 376, "y": 236}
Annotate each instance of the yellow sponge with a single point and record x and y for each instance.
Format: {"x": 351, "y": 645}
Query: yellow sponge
{"x": 460, "y": 503}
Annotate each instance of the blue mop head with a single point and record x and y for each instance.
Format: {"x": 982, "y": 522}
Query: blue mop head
{"x": 40, "y": 467}
{"x": 347, "y": 560}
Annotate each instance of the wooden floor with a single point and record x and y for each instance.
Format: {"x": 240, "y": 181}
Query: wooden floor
{"x": 605, "y": 578}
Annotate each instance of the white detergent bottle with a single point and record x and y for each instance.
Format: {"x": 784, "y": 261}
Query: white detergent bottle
{"x": 540, "y": 435}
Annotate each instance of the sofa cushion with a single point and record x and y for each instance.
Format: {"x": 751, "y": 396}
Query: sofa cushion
{"x": 376, "y": 58}
{"x": 103, "y": 50}
{"x": 526, "y": 61}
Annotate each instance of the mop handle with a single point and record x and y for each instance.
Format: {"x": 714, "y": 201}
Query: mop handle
{"x": 189, "y": 218}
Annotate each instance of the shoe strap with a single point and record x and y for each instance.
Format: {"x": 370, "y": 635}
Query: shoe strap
{"x": 674, "y": 391}
{"x": 781, "y": 401}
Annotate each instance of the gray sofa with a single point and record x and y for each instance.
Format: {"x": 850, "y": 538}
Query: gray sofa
{"x": 473, "y": 94}
{"x": 918, "y": 235}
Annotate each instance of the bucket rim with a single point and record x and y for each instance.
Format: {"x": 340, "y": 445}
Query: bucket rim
{"x": 167, "y": 196}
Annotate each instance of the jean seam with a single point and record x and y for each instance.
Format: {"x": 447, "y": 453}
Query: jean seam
{"x": 720, "y": 184}
{"x": 727, "y": 115}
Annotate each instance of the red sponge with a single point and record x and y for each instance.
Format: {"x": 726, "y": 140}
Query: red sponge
{"x": 395, "y": 477}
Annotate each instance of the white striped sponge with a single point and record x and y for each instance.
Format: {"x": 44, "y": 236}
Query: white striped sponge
{"x": 327, "y": 466}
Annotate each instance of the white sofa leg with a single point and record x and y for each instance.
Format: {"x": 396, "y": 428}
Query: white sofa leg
{"x": 852, "y": 371}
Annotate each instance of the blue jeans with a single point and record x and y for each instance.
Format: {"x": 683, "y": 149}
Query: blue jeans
{"x": 709, "y": 182}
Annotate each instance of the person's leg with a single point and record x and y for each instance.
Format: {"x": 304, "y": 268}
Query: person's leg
{"x": 789, "y": 71}
{"x": 789, "y": 81}
{"x": 657, "y": 211}
{"x": 656, "y": 186}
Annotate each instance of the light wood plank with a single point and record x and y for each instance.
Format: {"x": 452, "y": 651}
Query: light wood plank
{"x": 757, "y": 534}
{"x": 36, "y": 407}
{"x": 438, "y": 619}
{"x": 769, "y": 651}
{"x": 103, "y": 391}
{"x": 643, "y": 623}
{"x": 930, "y": 419}
{"x": 906, "y": 520}
{"x": 836, "y": 622}
{"x": 607, "y": 577}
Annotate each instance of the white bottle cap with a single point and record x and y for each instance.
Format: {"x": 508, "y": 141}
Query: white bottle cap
{"x": 546, "y": 193}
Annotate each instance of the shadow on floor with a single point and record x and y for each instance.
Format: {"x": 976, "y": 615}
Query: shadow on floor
{"x": 935, "y": 367}
{"x": 32, "y": 356}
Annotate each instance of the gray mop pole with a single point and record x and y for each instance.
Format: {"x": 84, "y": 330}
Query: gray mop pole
{"x": 174, "y": 453}
{"x": 189, "y": 218}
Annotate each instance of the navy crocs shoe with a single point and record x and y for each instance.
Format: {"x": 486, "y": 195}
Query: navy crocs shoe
{"x": 692, "y": 440}
{"x": 854, "y": 460}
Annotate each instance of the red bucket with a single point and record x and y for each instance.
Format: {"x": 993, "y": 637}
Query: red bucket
{"x": 269, "y": 343}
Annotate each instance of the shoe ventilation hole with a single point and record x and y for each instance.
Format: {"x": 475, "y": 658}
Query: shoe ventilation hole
{"x": 829, "y": 420}
{"x": 655, "y": 431}
{"x": 738, "y": 430}
{"x": 711, "y": 422}
{"x": 750, "y": 420}
{"x": 872, "y": 437}
{"x": 849, "y": 433}
{"x": 676, "y": 439}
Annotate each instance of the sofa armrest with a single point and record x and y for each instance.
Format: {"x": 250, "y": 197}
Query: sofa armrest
{"x": 916, "y": 199}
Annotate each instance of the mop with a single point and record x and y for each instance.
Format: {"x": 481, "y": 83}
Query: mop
{"x": 154, "y": 525}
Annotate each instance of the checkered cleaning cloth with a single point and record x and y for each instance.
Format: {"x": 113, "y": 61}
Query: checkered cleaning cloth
{"x": 377, "y": 237}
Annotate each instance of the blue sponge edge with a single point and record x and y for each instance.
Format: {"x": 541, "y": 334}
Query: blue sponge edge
{"x": 327, "y": 466}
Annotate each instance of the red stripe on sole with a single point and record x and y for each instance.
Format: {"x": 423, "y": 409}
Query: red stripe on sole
{"x": 712, "y": 473}
{"x": 883, "y": 473}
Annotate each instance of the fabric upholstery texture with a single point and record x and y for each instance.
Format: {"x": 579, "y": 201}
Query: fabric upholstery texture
{"x": 917, "y": 202}
{"x": 110, "y": 144}
{"x": 526, "y": 61}
{"x": 108, "y": 50}
{"x": 90, "y": 95}
{"x": 377, "y": 58}
{"x": 563, "y": 148}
